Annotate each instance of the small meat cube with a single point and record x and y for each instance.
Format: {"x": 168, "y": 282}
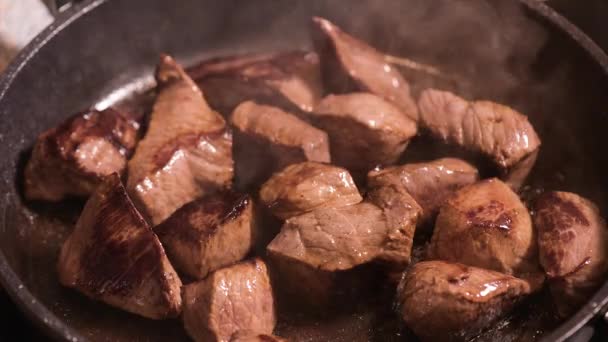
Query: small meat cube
{"x": 307, "y": 186}
{"x": 573, "y": 247}
{"x": 443, "y": 301}
{"x": 250, "y": 336}
{"x": 364, "y": 130}
{"x": 73, "y": 158}
{"x": 187, "y": 150}
{"x": 267, "y": 139}
{"x": 496, "y": 131}
{"x": 209, "y": 233}
{"x": 113, "y": 256}
{"x": 230, "y": 299}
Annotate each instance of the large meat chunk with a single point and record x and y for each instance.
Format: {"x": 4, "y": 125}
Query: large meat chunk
{"x": 429, "y": 183}
{"x": 187, "y": 150}
{"x": 289, "y": 80}
{"x": 231, "y": 299}
{"x": 573, "y": 247}
{"x": 250, "y": 336}
{"x": 364, "y": 130}
{"x": 486, "y": 225}
{"x": 494, "y": 130}
{"x": 113, "y": 256}
{"x": 303, "y": 187}
{"x": 209, "y": 233}
{"x": 267, "y": 139}
{"x": 349, "y": 64}
{"x": 443, "y": 301}
{"x": 73, "y": 158}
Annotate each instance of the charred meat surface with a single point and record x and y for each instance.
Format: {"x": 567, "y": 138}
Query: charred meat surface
{"x": 187, "y": 150}
{"x": 443, "y": 301}
{"x": 289, "y": 80}
{"x": 494, "y": 130}
{"x": 307, "y": 186}
{"x": 573, "y": 247}
{"x": 267, "y": 139}
{"x": 364, "y": 130}
{"x": 349, "y": 64}
{"x": 230, "y": 299}
{"x": 113, "y": 256}
{"x": 209, "y": 233}
{"x": 251, "y": 336}
{"x": 73, "y": 158}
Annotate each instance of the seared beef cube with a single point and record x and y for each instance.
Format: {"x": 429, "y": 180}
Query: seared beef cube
{"x": 364, "y": 130}
{"x": 486, "y": 225}
{"x": 349, "y": 64}
{"x": 230, "y": 299}
{"x": 307, "y": 186}
{"x": 250, "y": 336}
{"x": 209, "y": 233}
{"x": 496, "y": 131}
{"x": 113, "y": 256}
{"x": 573, "y": 247}
{"x": 443, "y": 301}
{"x": 187, "y": 150}
{"x": 288, "y": 80}
{"x": 267, "y": 139}
{"x": 73, "y": 158}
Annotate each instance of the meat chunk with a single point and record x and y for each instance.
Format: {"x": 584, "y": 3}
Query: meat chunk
{"x": 443, "y": 301}
{"x": 73, "y": 158}
{"x": 494, "y": 130}
{"x": 349, "y": 64}
{"x": 573, "y": 247}
{"x": 303, "y": 187}
{"x": 364, "y": 130}
{"x": 187, "y": 151}
{"x": 267, "y": 139}
{"x": 429, "y": 183}
{"x": 230, "y": 299}
{"x": 250, "y": 336}
{"x": 486, "y": 225}
{"x": 289, "y": 80}
{"x": 113, "y": 256}
{"x": 209, "y": 233}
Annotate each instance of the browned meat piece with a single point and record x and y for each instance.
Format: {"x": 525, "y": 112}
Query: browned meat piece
{"x": 209, "y": 233}
{"x": 73, "y": 158}
{"x": 287, "y": 80}
{"x": 307, "y": 186}
{"x": 186, "y": 152}
{"x": 230, "y": 299}
{"x": 573, "y": 247}
{"x": 349, "y": 64}
{"x": 429, "y": 183}
{"x": 494, "y": 130}
{"x": 443, "y": 301}
{"x": 486, "y": 225}
{"x": 250, "y": 336}
{"x": 267, "y": 139}
{"x": 113, "y": 256}
{"x": 364, "y": 130}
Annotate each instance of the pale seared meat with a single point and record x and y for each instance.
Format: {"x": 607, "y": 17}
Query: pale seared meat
{"x": 364, "y": 130}
{"x": 209, "y": 233}
{"x": 429, "y": 183}
{"x": 303, "y": 187}
{"x": 230, "y": 299}
{"x": 573, "y": 247}
{"x": 349, "y": 64}
{"x": 442, "y": 301}
{"x": 496, "y": 131}
{"x": 289, "y": 80}
{"x": 251, "y": 336}
{"x": 486, "y": 225}
{"x": 267, "y": 139}
{"x": 73, "y": 158}
{"x": 187, "y": 150}
{"x": 114, "y": 257}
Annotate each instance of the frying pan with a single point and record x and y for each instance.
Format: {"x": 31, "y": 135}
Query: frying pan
{"x": 98, "y": 52}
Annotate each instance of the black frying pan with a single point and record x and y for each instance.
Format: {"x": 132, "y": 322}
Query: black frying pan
{"x": 517, "y": 52}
